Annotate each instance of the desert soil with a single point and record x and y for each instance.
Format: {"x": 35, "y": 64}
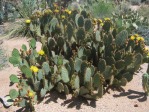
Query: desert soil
{"x": 132, "y": 99}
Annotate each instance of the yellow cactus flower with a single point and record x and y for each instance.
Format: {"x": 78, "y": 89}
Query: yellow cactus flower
{"x": 34, "y": 69}
{"x": 28, "y": 21}
{"x": 107, "y": 19}
{"x": 69, "y": 12}
{"x": 41, "y": 52}
{"x": 47, "y": 11}
{"x": 94, "y": 21}
{"x": 66, "y": 10}
{"x": 63, "y": 17}
{"x": 132, "y": 37}
{"x": 146, "y": 49}
{"x": 31, "y": 94}
{"x": 56, "y": 11}
{"x": 141, "y": 38}
{"x": 136, "y": 35}
{"x": 138, "y": 38}
{"x": 100, "y": 21}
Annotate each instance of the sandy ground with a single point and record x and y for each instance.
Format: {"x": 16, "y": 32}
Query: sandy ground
{"x": 132, "y": 100}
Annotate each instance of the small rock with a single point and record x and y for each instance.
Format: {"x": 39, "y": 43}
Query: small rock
{"x": 136, "y": 105}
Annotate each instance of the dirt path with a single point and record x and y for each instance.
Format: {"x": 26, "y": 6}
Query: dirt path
{"x": 132, "y": 100}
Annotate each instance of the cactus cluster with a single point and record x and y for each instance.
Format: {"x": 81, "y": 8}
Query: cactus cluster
{"x": 75, "y": 58}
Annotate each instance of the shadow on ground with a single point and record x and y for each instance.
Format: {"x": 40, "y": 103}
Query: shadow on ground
{"x": 131, "y": 94}
{"x": 70, "y": 103}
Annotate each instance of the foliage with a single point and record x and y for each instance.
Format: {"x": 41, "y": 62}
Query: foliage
{"x": 144, "y": 11}
{"x": 26, "y": 7}
{"x": 135, "y": 2}
{"x": 132, "y": 21}
{"x": 99, "y": 8}
{"x": 76, "y": 58}
{"x": 3, "y": 59}
{"x": 144, "y": 31}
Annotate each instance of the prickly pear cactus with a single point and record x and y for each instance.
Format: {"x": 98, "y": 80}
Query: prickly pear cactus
{"x": 79, "y": 56}
{"x": 145, "y": 83}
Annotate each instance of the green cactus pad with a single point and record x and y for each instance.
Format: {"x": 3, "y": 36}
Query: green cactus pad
{"x": 80, "y": 52}
{"x": 60, "y": 60}
{"x": 106, "y": 26}
{"x": 77, "y": 65}
{"x": 32, "y": 43}
{"x": 81, "y": 21}
{"x": 66, "y": 89}
{"x": 118, "y": 55}
{"x": 138, "y": 59}
{"x": 43, "y": 92}
{"x": 101, "y": 65}
{"x": 23, "y": 92}
{"x": 108, "y": 72}
{"x": 120, "y": 64}
{"x": 80, "y": 34}
{"x": 128, "y": 76}
{"x": 51, "y": 42}
{"x": 69, "y": 31}
{"x": 14, "y": 79}
{"x": 97, "y": 80}
{"x": 60, "y": 87}
{"x": 60, "y": 42}
{"x": 87, "y": 75}
{"x": 27, "y": 71}
{"x": 110, "y": 60}
{"x": 64, "y": 74}
{"x": 15, "y": 53}
{"x": 36, "y": 85}
{"x": 40, "y": 74}
{"x": 13, "y": 93}
{"x": 83, "y": 91}
{"x": 128, "y": 59}
{"x": 121, "y": 38}
{"x": 75, "y": 81}
{"x": 114, "y": 33}
{"x": 46, "y": 68}
{"x": 88, "y": 24}
{"x": 123, "y": 82}
{"x": 84, "y": 14}
{"x": 22, "y": 103}
{"x": 24, "y": 47}
{"x": 98, "y": 37}
{"x": 15, "y": 61}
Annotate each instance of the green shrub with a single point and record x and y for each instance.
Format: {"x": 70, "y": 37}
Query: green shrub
{"x": 144, "y": 11}
{"x": 135, "y": 2}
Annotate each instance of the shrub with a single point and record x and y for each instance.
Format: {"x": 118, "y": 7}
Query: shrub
{"x": 135, "y": 2}
{"x": 144, "y": 11}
